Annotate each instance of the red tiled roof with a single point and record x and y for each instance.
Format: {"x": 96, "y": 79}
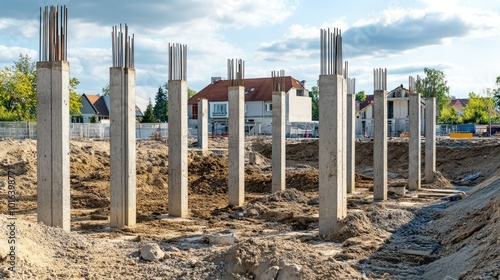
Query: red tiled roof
{"x": 257, "y": 89}
{"x": 92, "y": 98}
{"x": 368, "y": 101}
{"x": 459, "y": 103}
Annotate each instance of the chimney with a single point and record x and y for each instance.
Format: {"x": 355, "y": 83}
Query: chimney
{"x": 303, "y": 83}
{"x": 215, "y": 79}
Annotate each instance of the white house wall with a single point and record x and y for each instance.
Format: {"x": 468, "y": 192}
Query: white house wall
{"x": 400, "y": 108}
{"x": 298, "y": 108}
{"x": 254, "y": 109}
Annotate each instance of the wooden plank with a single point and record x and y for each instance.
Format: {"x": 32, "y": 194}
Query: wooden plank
{"x": 425, "y": 195}
{"x": 423, "y": 253}
{"x": 441, "y": 191}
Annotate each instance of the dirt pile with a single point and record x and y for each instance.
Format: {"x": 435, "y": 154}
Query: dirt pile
{"x": 469, "y": 231}
{"x": 277, "y": 259}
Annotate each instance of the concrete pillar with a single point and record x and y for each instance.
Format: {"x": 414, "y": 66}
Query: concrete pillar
{"x": 351, "y": 142}
{"x": 53, "y": 173}
{"x": 414, "y": 176}
{"x": 380, "y": 145}
{"x": 279, "y": 153}
{"x": 177, "y": 149}
{"x": 122, "y": 147}
{"x": 430, "y": 139}
{"x": 203, "y": 124}
{"x": 332, "y": 188}
{"x": 236, "y": 130}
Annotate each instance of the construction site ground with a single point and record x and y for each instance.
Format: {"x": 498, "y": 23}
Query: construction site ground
{"x": 419, "y": 235}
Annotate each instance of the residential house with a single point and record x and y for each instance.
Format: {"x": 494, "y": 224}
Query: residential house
{"x": 258, "y": 104}
{"x": 98, "y": 106}
{"x": 459, "y": 104}
{"x": 397, "y": 114}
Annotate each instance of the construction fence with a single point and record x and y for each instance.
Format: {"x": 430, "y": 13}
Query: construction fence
{"x": 27, "y": 130}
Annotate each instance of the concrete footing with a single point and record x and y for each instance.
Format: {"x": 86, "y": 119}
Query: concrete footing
{"x": 380, "y": 145}
{"x": 236, "y": 143}
{"x": 203, "y": 124}
{"x": 332, "y": 188}
{"x": 122, "y": 147}
{"x": 414, "y": 165}
{"x": 430, "y": 139}
{"x": 278, "y": 144}
{"x": 53, "y": 173}
{"x": 177, "y": 149}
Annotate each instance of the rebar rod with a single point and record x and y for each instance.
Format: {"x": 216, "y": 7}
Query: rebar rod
{"x": 351, "y": 85}
{"x": 177, "y": 62}
{"x": 122, "y": 47}
{"x": 53, "y": 33}
{"x": 331, "y": 52}
{"x": 236, "y": 72}
{"x": 278, "y": 80}
{"x": 379, "y": 79}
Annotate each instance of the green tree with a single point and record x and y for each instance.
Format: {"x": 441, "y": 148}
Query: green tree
{"x": 191, "y": 93}
{"x": 75, "y": 99}
{"x": 314, "y": 94}
{"x": 478, "y": 109}
{"x": 435, "y": 85}
{"x": 149, "y": 116}
{"x": 105, "y": 90}
{"x": 496, "y": 94}
{"x": 361, "y": 96}
{"x": 449, "y": 114}
{"x": 160, "y": 109}
{"x": 6, "y": 116}
{"x": 17, "y": 95}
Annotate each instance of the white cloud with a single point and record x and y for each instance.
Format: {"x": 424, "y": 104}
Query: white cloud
{"x": 252, "y": 12}
{"x": 10, "y": 54}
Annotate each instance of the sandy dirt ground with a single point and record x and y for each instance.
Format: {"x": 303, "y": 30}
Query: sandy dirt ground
{"x": 411, "y": 236}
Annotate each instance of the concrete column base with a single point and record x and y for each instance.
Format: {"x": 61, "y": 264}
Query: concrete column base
{"x": 380, "y": 145}
{"x": 203, "y": 124}
{"x": 414, "y": 165}
{"x": 430, "y": 139}
{"x": 53, "y": 173}
{"x": 278, "y": 143}
{"x": 122, "y": 147}
{"x": 177, "y": 149}
{"x": 236, "y": 143}
{"x": 332, "y": 188}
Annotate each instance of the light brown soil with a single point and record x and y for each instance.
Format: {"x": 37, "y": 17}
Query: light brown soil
{"x": 277, "y": 233}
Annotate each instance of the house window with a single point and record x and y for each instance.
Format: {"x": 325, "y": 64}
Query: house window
{"x": 194, "y": 113}
{"x": 219, "y": 110}
{"x": 269, "y": 107}
{"x": 390, "y": 110}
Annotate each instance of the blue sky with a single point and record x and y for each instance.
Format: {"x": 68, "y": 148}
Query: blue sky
{"x": 457, "y": 37}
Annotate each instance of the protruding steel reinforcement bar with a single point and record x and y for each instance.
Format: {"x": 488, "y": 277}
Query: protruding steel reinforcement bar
{"x": 380, "y": 79}
{"x": 122, "y": 47}
{"x": 278, "y": 80}
{"x": 331, "y": 52}
{"x": 351, "y": 85}
{"x": 235, "y": 72}
{"x": 177, "y": 62}
{"x": 53, "y": 37}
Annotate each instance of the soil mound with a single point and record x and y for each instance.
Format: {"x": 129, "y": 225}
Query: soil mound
{"x": 469, "y": 231}
{"x": 279, "y": 259}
